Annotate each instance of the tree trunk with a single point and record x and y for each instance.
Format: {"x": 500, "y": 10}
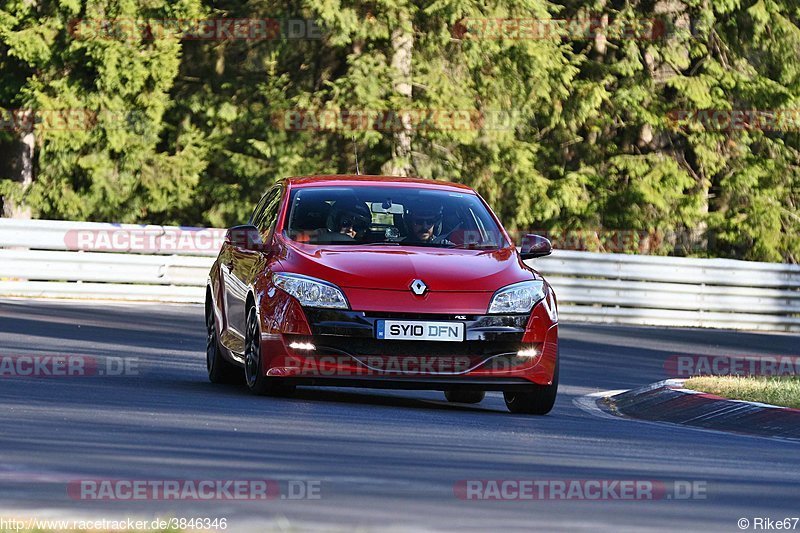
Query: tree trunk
{"x": 402, "y": 48}
{"x": 20, "y": 167}
{"x": 675, "y": 17}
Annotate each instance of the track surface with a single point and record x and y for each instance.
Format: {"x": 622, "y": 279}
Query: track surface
{"x": 385, "y": 459}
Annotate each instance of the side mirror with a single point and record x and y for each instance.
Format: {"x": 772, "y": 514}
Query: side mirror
{"x": 246, "y": 237}
{"x": 534, "y": 246}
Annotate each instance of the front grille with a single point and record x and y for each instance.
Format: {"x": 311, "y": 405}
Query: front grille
{"x": 395, "y": 348}
{"x": 415, "y": 357}
{"x": 359, "y": 327}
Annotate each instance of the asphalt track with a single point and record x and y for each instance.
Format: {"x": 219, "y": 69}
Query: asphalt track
{"x": 385, "y": 460}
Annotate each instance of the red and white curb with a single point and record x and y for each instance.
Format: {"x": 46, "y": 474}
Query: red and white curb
{"x": 669, "y": 402}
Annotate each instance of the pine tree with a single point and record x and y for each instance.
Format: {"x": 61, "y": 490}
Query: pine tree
{"x": 99, "y": 98}
{"x": 591, "y": 128}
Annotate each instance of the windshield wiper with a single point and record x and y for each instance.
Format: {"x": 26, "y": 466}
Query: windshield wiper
{"x": 390, "y": 243}
{"x": 479, "y": 247}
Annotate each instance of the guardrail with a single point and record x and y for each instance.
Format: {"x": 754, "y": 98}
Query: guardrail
{"x": 60, "y": 259}
{"x": 674, "y": 291}
{"x": 57, "y": 259}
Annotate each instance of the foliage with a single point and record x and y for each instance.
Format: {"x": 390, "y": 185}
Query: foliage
{"x": 566, "y": 132}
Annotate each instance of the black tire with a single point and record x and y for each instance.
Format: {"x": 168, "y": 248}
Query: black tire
{"x": 255, "y": 379}
{"x": 538, "y": 400}
{"x": 465, "y": 396}
{"x": 220, "y": 370}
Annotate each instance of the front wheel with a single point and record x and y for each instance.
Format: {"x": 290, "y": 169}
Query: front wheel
{"x": 538, "y": 400}
{"x": 220, "y": 370}
{"x": 256, "y": 381}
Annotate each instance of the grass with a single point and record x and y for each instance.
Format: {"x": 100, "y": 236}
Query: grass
{"x": 783, "y": 391}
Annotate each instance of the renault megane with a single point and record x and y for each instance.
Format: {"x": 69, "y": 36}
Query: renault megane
{"x": 382, "y": 282}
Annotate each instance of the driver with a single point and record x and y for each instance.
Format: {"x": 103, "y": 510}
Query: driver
{"x": 348, "y": 221}
{"x": 425, "y": 222}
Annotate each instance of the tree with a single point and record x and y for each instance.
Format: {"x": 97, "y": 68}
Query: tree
{"x": 611, "y": 120}
{"x": 98, "y": 91}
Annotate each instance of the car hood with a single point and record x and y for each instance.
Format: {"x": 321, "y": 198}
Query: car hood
{"x": 394, "y": 268}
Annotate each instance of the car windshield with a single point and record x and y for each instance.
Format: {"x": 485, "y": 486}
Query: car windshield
{"x": 398, "y": 216}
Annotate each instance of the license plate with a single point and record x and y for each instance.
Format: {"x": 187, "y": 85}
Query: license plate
{"x": 408, "y": 330}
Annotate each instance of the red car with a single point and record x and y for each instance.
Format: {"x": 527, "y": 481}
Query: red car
{"x": 382, "y": 282}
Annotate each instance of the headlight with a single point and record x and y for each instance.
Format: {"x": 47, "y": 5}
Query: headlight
{"x": 517, "y": 298}
{"x": 311, "y": 292}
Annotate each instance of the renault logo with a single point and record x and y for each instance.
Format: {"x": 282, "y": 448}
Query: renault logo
{"x": 418, "y": 287}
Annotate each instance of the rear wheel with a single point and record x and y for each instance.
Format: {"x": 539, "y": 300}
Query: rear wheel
{"x": 465, "y": 396}
{"x": 220, "y": 370}
{"x": 538, "y": 400}
{"x": 256, "y": 381}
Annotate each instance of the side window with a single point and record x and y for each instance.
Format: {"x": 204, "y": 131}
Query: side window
{"x": 259, "y": 210}
{"x": 265, "y": 219}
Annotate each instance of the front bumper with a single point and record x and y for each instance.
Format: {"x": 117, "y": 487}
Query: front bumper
{"x": 340, "y": 348}
{"x": 415, "y": 383}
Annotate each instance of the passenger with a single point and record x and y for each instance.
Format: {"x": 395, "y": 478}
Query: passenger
{"x": 348, "y": 221}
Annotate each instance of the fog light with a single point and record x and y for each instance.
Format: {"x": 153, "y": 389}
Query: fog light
{"x": 307, "y": 346}
{"x": 528, "y": 352}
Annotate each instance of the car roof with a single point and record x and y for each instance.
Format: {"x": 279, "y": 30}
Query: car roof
{"x": 363, "y": 180}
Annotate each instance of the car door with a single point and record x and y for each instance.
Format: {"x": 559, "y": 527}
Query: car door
{"x": 234, "y": 289}
{"x": 245, "y": 264}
